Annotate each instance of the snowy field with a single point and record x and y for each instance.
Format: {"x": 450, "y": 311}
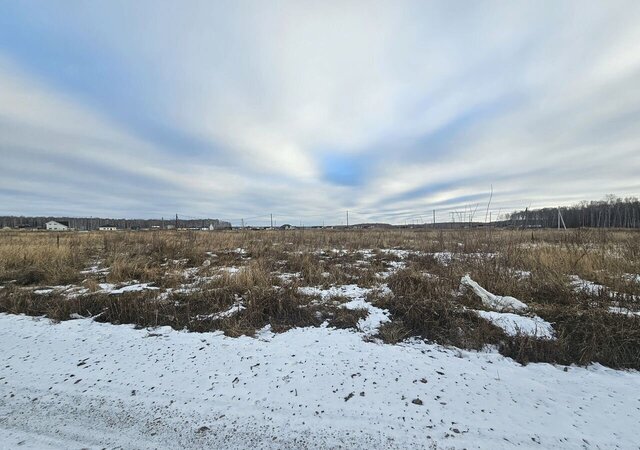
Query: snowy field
{"x": 82, "y": 384}
{"x": 329, "y": 339}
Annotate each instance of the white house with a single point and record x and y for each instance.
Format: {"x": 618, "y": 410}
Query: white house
{"x": 57, "y": 226}
{"x": 107, "y": 228}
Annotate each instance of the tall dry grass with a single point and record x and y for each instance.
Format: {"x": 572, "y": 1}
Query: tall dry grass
{"x": 534, "y": 266}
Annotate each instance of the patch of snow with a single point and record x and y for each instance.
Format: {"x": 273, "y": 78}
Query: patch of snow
{"x": 315, "y": 388}
{"x": 366, "y": 253}
{"x": 624, "y": 311}
{"x": 584, "y": 285}
{"x": 592, "y": 288}
{"x": 497, "y": 302}
{"x": 43, "y": 291}
{"x": 394, "y": 266}
{"x": 69, "y": 290}
{"x": 230, "y": 269}
{"x": 241, "y": 251}
{"x": 397, "y": 252}
{"x": 522, "y": 274}
{"x": 443, "y": 258}
{"x": 287, "y": 277}
{"x": 190, "y": 272}
{"x": 348, "y": 290}
{"x": 514, "y": 324}
{"x": 180, "y": 262}
{"x": 232, "y": 311}
{"x": 110, "y": 288}
{"x": 95, "y": 269}
{"x": 376, "y": 316}
{"x": 632, "y": 277}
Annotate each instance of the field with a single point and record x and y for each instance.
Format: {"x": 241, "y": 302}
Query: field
{"x": 421, "y": 314}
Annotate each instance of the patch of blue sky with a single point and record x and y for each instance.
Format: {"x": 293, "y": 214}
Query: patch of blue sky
{"x": 345, "y": 169}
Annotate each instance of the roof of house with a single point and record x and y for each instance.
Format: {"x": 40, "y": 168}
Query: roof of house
{"x": 61, "y": 222}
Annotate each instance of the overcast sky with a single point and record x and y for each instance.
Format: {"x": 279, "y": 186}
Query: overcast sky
{"x": 308, "y": 109}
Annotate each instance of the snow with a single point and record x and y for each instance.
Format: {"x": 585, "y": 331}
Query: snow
{"x": 513, "y": 324}
{"x": 504, "y": 317}
{"x": 625, "y": 311}
{"x": 497, "y": 302}
{"x": 69, "y": 290}
{"x": 306, "y": 388}
{"x": 232, "y": 311}
{"x": 397, "y": 252}
{"x": 632, "y": 277}
{"x": 522, "y": 274}
{"x": 345, "y": 290}
{"x": 584, "y": 285}
{"x": 393, "y": 267}
{"x": 95, "y": 269}
{"x": 288, "y": 277}
{"x": 43, "y": 291}
{"x": 110, "y": 288}
{"x": 230, "y": 270}
{"x": 190, "y": 272}
{"x": 443, "y": 258}
{"x": 375, "y": 317}
{"x": 592, "y": 288}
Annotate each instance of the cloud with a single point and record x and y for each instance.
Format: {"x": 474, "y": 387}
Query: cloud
{"x": 389, "y": 109}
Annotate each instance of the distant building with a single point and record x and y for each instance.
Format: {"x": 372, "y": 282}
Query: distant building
{"x": 107, "y": 228}
{"x": 286, "y": 226}
{"x": 61, "y": 225}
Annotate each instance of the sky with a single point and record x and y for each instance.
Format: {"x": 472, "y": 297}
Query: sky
{"x": 304, "y": 110}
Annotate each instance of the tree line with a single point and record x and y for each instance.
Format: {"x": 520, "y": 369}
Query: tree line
{"x": 93, "y": 223}
{"x": 611, "y": 212}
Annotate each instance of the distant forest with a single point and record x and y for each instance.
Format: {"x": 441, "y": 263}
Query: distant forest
{"x": 612, "y": 212}
{"x": 92, "y": 223}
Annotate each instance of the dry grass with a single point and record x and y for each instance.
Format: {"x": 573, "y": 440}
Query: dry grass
{"x": 427, "y": 308}
{"x": 192, "y": 270}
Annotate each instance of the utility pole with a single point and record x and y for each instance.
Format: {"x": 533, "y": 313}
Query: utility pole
{"x": 434, "y": 218}
{"x": 162, "y": 227}
{"x": 242, "y": 223}
{"x": 271, "y": 220}
{"x": 176, "y": 221}
{"x": 347, "y": 218}
{"x": 561, "y": 219}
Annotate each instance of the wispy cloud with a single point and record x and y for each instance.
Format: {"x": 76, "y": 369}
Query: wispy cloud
{"x": 306, "y": 109}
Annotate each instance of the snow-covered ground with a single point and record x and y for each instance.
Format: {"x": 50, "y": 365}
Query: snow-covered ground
{"x": 512, "y": 324}
{"x": 82, "y": 384}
